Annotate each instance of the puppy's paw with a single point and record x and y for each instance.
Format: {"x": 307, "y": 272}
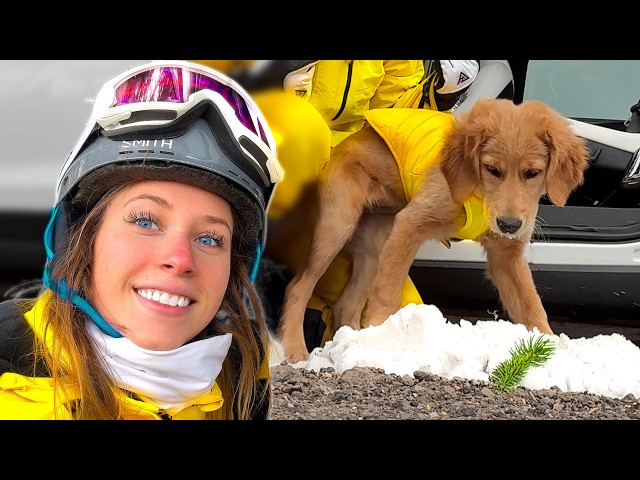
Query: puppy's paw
{"x": 541, "y": 324}
{"x": 296, "y": 357}
{"x": 372, "y": 320}
{"x": 376, "y": 313}
{"x": 543, "y": 328}
{"x": 295, "y": 354}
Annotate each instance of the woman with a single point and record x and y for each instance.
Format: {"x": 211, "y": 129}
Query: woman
{"x": 152, "y": 246}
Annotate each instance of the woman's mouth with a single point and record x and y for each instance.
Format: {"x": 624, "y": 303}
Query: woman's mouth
{"x": 165, "y": 298}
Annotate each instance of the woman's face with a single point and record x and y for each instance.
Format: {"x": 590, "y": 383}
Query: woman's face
{"x": 161, "y": 262}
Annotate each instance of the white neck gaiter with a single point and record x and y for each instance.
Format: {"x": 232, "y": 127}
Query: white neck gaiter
{"x": 169, "y": 379}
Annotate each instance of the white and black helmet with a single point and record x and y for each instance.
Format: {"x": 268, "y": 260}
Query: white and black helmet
{"x": 175, "y": 120}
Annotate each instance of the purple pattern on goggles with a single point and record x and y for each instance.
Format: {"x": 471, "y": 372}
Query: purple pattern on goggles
{"x": 175, "y": 84}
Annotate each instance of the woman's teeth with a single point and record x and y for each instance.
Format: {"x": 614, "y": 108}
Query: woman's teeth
{"x": 165, "y": 298}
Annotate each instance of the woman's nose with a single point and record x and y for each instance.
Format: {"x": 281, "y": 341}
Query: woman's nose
{"x": 177, "y": 253}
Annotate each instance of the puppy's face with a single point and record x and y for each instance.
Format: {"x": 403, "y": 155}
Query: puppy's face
{"x": 512, "y": 155}
{"x": 512, "y": 169}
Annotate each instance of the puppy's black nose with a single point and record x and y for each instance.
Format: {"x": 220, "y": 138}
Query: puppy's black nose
{"x": 508, "y": 224}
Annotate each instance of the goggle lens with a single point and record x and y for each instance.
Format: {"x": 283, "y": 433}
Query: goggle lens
{"x": 175, "y": 84}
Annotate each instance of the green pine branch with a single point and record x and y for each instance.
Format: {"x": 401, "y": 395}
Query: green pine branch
{"x": 508, "y": 374}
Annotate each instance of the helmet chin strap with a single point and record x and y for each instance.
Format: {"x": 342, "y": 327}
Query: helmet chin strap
{"x": 59, "y": 287}
{"x": 256, "y": 262}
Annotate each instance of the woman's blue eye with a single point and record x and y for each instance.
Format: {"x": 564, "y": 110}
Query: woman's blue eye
{"x": 145, "y": 223}
{"x": 144, "y": 220}
{"x": 211, "y": 240}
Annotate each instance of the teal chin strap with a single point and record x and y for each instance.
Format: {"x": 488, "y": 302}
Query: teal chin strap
{"x": 256, "y": 263}
{"x": 60, "y": 287}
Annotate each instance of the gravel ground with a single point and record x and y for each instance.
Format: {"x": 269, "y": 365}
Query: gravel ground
{"x": 370, "y": 394}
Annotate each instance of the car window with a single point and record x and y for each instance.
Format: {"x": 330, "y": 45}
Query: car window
{"x": 585, "y": 89}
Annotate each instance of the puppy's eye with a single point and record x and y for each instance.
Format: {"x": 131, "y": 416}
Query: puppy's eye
{"x": 493, "y": 171}
{"x": 531, "y": 173}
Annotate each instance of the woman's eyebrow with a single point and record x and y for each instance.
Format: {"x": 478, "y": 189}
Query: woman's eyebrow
{"x": 217, "y": 220}
{"x": 154, "y": 198}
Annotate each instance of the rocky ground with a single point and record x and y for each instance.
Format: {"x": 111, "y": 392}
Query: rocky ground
{"x": 370, "y": 394}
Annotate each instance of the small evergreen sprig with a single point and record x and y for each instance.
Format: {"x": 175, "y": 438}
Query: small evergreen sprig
{"x": 508, "y": 374}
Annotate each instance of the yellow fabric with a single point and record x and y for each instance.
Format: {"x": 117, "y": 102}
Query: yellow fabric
{"x": 400, "y": 78}
{"x": 476, "y": 218}
{"x": 365, "y": 84}
{"x": 28, "y": 398}
{"x": 303, "y": 143}
{"x": 31, "y": 398}
{"x": 415, "y": 138}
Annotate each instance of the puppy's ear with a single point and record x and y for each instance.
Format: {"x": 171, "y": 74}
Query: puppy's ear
{"x": 460, "y": 155}
{"x": 568, "y": 155}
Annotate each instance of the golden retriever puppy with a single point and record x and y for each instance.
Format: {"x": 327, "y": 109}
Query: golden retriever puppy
{"x": 499, "y": 156}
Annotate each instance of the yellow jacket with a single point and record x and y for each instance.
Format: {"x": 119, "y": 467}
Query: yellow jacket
{"x": 24, "y": 397}
{"x": 342, "y": 90}
{"x": 415, "y": 138}
{"x": 31, "y": 398}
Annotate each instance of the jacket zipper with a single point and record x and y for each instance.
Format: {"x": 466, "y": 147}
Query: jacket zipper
{"x": 164, "y": 415}
{"x": 346, "y": 91}
{"x": 161, "y": 412}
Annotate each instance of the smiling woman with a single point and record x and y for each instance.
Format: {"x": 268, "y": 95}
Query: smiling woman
{"x": 152, "y": 244}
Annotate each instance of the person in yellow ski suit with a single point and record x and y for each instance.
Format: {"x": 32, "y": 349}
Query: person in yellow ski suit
{"x": 311, "y": 106}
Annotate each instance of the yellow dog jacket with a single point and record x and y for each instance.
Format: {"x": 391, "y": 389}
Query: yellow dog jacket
{"x": 415, "y": 138}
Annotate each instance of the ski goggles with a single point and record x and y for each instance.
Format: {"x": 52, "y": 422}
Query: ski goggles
{"x": 157, "y": 93}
